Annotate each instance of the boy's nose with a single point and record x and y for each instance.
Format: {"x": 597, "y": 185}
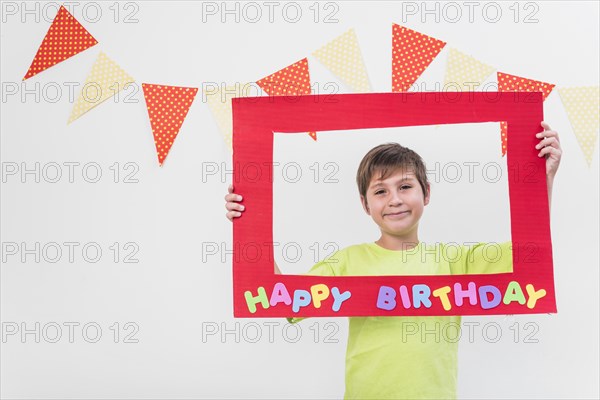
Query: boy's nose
{"x": 395, "y": 199}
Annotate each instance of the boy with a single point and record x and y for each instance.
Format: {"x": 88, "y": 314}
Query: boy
{"x": 385, "y": 359}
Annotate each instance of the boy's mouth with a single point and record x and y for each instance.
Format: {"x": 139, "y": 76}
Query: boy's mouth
{"x": 396, "y": 214}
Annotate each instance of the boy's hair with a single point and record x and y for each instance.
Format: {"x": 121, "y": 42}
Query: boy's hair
{"x": 386, "y": 159}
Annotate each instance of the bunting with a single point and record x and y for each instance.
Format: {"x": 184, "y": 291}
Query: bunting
{"x": 412, "y": 52}
{"x": 342, "y": 56}
{"x": 465, "y": 71}
{"x": 293, "y": 80}
{"x": 104, "y": 81}
{"x": 582, "y": 105}
{"x": 65, "y": 38}
{"x": 167, "y": 108}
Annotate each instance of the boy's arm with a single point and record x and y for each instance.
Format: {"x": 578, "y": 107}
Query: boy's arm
{"x": 549, "y": 147}
{"x": 549, "y": 183}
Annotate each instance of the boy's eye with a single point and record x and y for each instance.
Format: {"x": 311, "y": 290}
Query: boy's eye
{"x": 379, "y": 192}
{"x": 405, "y": 187}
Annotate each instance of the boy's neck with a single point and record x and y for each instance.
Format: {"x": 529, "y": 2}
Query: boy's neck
{"x": 398, "y": 243}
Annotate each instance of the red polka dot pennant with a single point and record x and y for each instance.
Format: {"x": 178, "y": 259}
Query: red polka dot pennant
{"x": 167, "y": 108}
{"x": 513, "y": 83}
{"x": 412, "y": 52}
{"x": 65, "y": 38}
{"x": 293, "y": 80}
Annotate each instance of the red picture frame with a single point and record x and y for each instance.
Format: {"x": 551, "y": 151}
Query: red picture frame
{"x": 256, "y": 286}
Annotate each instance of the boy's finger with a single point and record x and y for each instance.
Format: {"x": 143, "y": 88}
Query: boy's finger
{"x": 230, "y": 188}
{"x": 233, "y": 214}
{"x": 549, "y": 150}
{"x": 547, "y": 134}
{"x": 231, "y": 206}
{"x": 549, "y": 141}
{"x": 233, "y": 197}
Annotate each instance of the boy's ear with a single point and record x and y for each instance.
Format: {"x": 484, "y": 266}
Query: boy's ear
{"x": 426, "y": 201}
{"x": 365, "y": 205}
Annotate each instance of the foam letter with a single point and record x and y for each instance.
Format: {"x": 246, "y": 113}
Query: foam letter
{"x": 301, "y": 299}
{"x": 421, "y": 296}
{"x": 460, "y": 294}
{"x": 260, "y": 298}
{"x": 533, "y": 295}
{"x": 405, "y": 297}
{"x": 280, "y": 295}
{"x": 319, "y": 293}
{"x": 385, "y": 299}
{"x": 339, "y": 298}
{"x": 486, "y": 304}
{"x": 514, "y": 293}
{"x": 442, "y": 293}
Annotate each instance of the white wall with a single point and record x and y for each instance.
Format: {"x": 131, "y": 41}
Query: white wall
{"x": 179, "y": 290}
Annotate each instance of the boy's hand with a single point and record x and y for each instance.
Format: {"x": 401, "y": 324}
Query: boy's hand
{"x": 549, "y": 147}
{"x": 234, "y": 209}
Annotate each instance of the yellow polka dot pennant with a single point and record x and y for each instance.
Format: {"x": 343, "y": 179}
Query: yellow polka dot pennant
{"x": 293, "y": 80}
{"x": 342, "y": 56}
{"x": 219, "y": 103}
{"x": 464, "y": 73}
{"x": 104, "y": 81}
{"x": 582, "y": 105}
{"x": 412, "y": 52}
{"x": 513, "y": 83}
{"x": 167, "y": 108}
{"x": 65, "y": 38}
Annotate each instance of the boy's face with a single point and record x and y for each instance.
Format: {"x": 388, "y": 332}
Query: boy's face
{"x": 396, "y": 203}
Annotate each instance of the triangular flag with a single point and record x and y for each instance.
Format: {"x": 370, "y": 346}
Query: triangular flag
{"x": 104, "y": 80}
{"x": 465, "y": 72}
{"x": 513, "y": 83}
{"x": 167, "y": 108}
{"x": 412, "y": 52}
{"x": 65, "y": 38}
{"x": 293, "y": 80}
{"x": 219, "y": 103}
{"x": 343, "y": 57}
{"x": 582, "y": 106}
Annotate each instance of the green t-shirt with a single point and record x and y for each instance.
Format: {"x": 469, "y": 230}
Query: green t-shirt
{"x": 408, "y": 357}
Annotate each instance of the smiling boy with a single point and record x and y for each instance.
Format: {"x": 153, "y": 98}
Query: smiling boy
{"x": 385, "y": 359}
{"x": 394, "y": 191}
